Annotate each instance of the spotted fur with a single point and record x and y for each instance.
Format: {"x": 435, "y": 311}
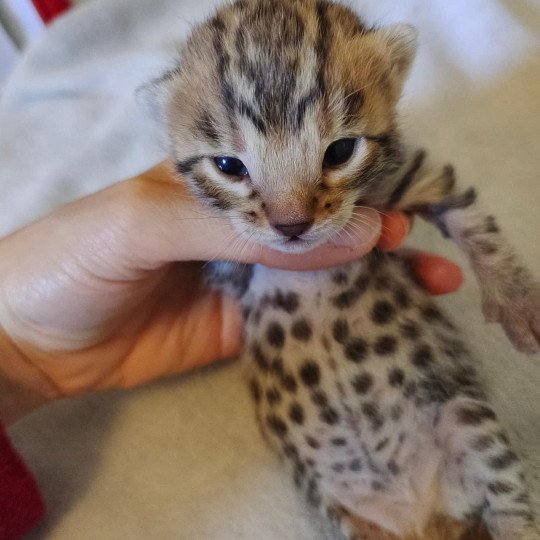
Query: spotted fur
{"x": 361, "y": 383}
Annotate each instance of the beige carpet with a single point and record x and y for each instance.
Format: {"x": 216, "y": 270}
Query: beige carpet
{"x": 182, "y": 458}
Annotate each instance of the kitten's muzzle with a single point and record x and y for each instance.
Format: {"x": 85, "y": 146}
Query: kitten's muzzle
{"x": 292, "y": 230}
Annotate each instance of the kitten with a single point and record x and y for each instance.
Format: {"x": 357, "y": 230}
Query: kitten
{"x": 281, "y": 115}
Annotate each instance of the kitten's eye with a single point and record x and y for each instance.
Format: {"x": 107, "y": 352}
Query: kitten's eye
{"x": 231, "y": 166}
{"x": 339, "y": 152}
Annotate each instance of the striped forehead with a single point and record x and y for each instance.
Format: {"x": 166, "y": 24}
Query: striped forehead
{"x": 273, "y": 60}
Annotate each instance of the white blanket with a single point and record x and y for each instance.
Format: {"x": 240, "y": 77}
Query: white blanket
{"x": 183, "y": 458}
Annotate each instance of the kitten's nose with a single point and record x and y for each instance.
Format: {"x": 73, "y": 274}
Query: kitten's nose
{"x": 293, "y": 229}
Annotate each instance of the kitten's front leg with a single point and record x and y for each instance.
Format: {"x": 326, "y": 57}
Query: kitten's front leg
{"x": 510, "y": 294}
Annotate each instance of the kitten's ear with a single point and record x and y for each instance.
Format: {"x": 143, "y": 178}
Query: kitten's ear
{"x": 153, "y": 94}
{"x": 399, "y": 42}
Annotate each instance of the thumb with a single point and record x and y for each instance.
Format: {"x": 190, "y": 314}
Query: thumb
{"x": 171, "y": 225}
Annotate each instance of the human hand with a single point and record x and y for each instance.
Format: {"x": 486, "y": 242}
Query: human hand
{"x": 90, "y": 297}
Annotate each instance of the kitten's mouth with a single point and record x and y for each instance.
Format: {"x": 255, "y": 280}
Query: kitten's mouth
{"x": 295, "y": 244}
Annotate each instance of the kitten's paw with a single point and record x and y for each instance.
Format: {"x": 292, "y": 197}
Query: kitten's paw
{"x": 520, "y": 318}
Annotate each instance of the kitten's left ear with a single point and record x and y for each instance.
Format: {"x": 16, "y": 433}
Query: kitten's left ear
{"x": 399, "y": 43}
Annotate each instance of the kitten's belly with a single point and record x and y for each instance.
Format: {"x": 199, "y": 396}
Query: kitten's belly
{"x": 337, "y": 392}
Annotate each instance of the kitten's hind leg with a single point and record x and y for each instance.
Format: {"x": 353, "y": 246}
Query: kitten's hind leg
{"x": 510, "y": 294}
{"x": 482, "y": 472}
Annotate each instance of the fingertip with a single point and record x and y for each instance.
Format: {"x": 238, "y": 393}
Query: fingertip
{"x": 395, "y": 228}
{"x": 437, "y": 274}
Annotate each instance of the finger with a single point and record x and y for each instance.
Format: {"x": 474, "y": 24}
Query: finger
{"x": 395, "y": 228}
{"x": 170, "y": 225}
{"x": 437, "y": 274}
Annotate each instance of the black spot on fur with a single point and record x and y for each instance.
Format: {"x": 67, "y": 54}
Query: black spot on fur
{"x": 491, "y": 225}
{"x": 312, "y": 442}
{"x": 410, "y": 389}
{"x": 385, "y": 345}
{"x": 373, "y": 414}
{"x": 486, "y": 247}
{"x": 275, "y": 335}
{"x": 340, "y": 330}
{"x": 362, "y": 383}
{"x": 299, "y": 473}
{"x": 410, "y": 329}
{"x": 499, "y": 487}
{"x": 382, "y": 312}
{"x": 396, "y": 377}
{"x": 290, "y": 451}
{"x": 340, "y": 278}
{"x": 259, "y": 357}
{"x": 381, "y": 445}
{"x": 355, "y": 465}
{"x": 475, "y": 414}
{"x": 296, "y": 413}
{"x": 432, "y": 314}
{"x": 393, "y": 467}
{"x": 401, "y": 298}
{"x": 329, "y": 416}
{"x": 483, "y": 442}
{"x": 348, "y": 298}
{"x": 313, "y": 495}
{"x": 339, "y": 441}
{"x": 382, "y": 282}
{"x": 310, "y": 373}
{"x": 356, "y": 349}
{"x": 301, "y": 330}
{"x": 288, "y": 302}
{"x": 502, "y": 461}
{"x": 396, "y": 412}
{"x": 255, "y": 389}
{"x": 338, "y": 467}
{"x": 289, "y": 383}
{"x": 273, "y": 396}
{"x": 277, "y": 425}
{"x": 319, "y": 398}
{"x": 422, "y": 356}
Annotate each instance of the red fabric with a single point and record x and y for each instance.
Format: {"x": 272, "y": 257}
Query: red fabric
{"x": 49, "y": 9}
{"x": 21, "y": 505}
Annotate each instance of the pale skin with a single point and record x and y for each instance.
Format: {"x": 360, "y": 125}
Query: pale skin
{"x": 107, "y": 291}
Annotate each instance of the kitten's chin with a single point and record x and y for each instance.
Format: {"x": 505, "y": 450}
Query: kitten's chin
{"x": 296, "y": 245}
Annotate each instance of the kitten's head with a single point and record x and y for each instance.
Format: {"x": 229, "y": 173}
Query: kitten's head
{"x": 281, "y": 115}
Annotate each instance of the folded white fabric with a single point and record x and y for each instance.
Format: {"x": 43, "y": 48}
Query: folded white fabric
{"x": 184, "y": 459}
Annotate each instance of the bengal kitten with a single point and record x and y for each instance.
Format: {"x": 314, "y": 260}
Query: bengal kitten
{"x": 282, "y": 116}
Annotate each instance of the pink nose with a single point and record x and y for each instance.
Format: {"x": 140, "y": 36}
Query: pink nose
{"x": 293, "y": 229}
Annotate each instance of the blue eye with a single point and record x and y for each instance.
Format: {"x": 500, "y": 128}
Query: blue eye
{"x": 339, "y": 152}
{"x": 231, "y": 166}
